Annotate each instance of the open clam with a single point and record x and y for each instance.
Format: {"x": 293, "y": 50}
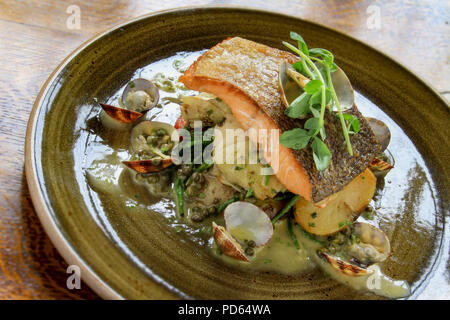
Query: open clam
{"x": 138, "y": 97}
{"x": 382, "y": 164}
{"x": 227, "y": 244}
{"x": 292, "y": 83}
{"x": 381, "y": 132}
{"x": 148, "y": 166}
{"x": 245, "y": 221}
{"x": 152, "y": 143}
{"x": 353, "y": 251}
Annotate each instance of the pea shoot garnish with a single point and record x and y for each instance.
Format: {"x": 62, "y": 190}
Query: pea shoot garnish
{"x": 319, "y": 94}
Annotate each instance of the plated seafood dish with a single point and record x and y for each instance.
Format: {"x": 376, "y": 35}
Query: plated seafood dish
{"x": 260, "y": 156}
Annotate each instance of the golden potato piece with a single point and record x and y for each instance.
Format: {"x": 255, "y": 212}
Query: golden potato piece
{"x": 344, "y": 207}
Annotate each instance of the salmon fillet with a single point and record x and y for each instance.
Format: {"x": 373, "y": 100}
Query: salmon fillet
{"x": 244, "y": 74}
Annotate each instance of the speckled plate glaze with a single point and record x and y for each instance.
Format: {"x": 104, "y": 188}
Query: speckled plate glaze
{"x": 137, "y": 256}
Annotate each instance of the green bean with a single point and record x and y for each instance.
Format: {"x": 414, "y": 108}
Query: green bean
{"x": 224, "y": 204}
{"x": 292, "y": 234}
{"x": 179, "y": 191}
{"x": 203, "y": 167}
{"x": 286, "y": 208}
{"x": 250, "y": 193}
{"x": 311, "y": 237}
{"x": 266, "y": 180}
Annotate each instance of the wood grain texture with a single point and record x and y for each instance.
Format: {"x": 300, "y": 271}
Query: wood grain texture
{"x": 34, "y": 39}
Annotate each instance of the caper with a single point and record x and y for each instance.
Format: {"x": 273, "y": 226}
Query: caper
{"x": 249, "y": 251}
{"x": 205, "y": 212}
{"x": 191, "y": 192}
{"x": 154, "y": 178}
{"x": 212, "y": 210}
{"x": 198, "y": 178}
{"x": 186, "y": 169}
{"x": 332, "y": 248}
{"x": 165, "y": 139}
{"x": 152, "y": 139}
{"x": 156, "y": 161}
{"x": 196, "y": 209}
{"x": 251, "y": 244}
{"x": 197, "y": 218}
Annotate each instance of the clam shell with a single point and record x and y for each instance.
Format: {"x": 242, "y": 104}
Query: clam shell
{"x": 370, "y": 234}
{"x": 292, "y": 83}
{"x": 227, "y": 244}
{"x": 144, "y": 85}
{"x": 380, "y": 165}
{"x": 245, "y": 220}
{"x": 146, "y": 127}
{"x": 343, "y": 266}
{"x": 120, "y": 114}
{"x": 146, "y": 166}
{"x": 381, "y": 131}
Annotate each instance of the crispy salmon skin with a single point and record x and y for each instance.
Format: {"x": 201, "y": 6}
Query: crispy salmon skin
{"x": 244, "y": 74}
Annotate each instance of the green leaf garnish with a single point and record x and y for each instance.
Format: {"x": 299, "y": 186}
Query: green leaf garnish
{"x": 299, "y": 107}
{"x": 295, "y": 139}
{"x": 301, "y": 43}
{"x": 312, "y": 124}
{"x": 319, "y": 94}
{"x": 321, "y": 154}
{"x": 313, "y": 86}
{"x": 352, "y": 123}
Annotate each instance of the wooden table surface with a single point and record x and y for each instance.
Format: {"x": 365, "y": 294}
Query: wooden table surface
{"x": 34, "y": 38}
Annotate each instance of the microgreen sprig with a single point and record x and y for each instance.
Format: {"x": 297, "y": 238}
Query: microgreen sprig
{"x": 318, "y": 93}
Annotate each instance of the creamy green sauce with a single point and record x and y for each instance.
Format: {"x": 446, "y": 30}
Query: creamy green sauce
{"x": 278, "y": 255}
{"x": 109, "y": 177}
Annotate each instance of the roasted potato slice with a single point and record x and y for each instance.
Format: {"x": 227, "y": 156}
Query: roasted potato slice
{"x": 343, "y": 208}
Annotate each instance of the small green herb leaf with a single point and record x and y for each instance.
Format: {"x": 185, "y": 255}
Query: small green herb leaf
{"x": 352, "y": 122}
{"x": 299, "y": 107}
{"x": 313, "y": 86}
{"x": 312, "y": 124}
{"x": 301, "y": 43}
{"x": 324, "y": 54}
{"x": 321, "y": 154}
{"x": 299, "y": 67}
{"x": 295, "y": 139}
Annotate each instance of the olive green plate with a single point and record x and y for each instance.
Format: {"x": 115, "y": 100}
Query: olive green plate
{"x": 139, "y": 256}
